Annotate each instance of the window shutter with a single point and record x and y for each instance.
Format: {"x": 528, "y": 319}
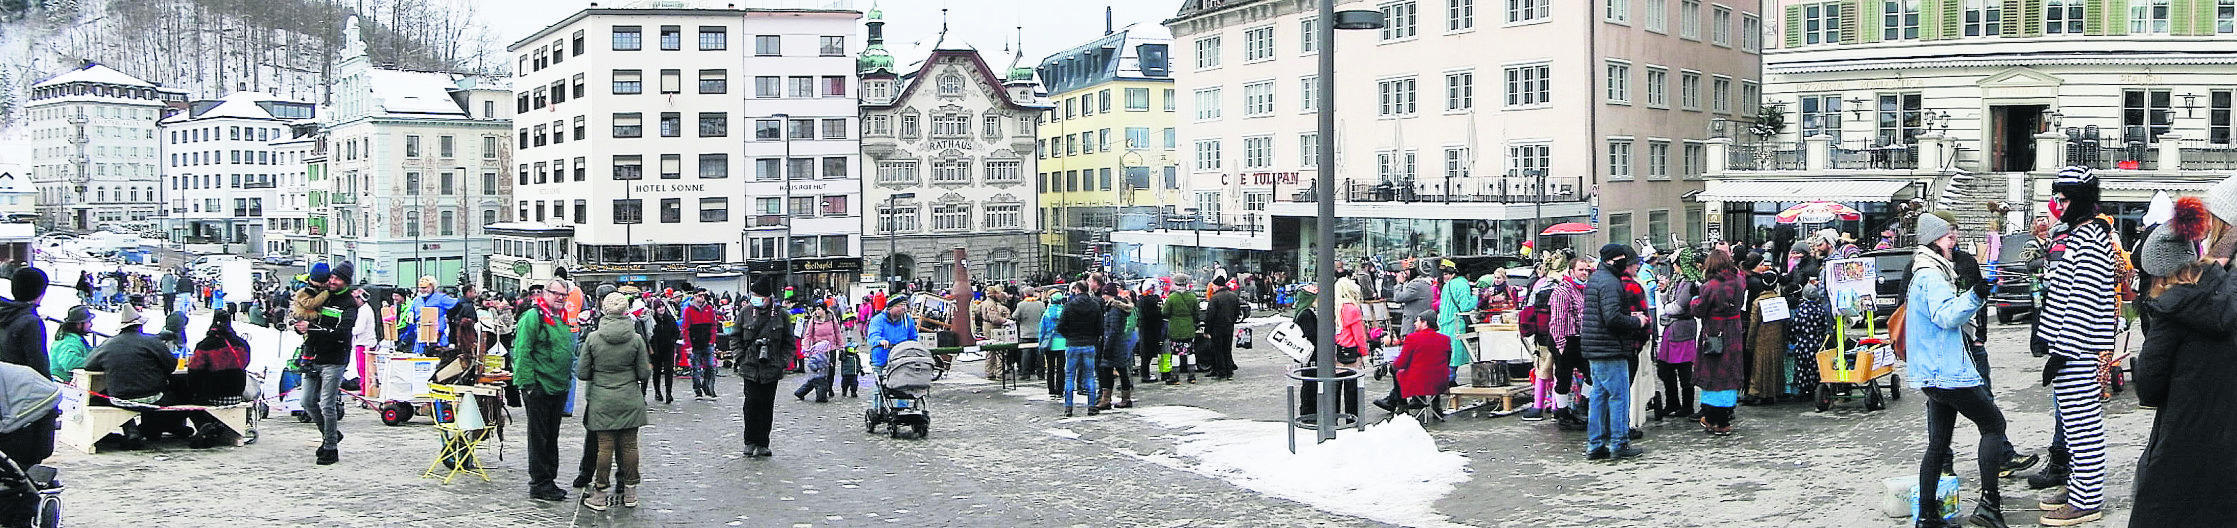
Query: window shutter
{"x": 2116, "y": 17}
{"x": 2093, "y": 22}
{"x": 1870, "y": 14}
{"x": 2197, "y": 15}
{"x": 1793, "y": 27}
{"x": 2023, "y": 18}
{"x": 1953, "y": 18}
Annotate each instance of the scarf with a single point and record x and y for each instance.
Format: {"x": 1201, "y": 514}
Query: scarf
{"x": 549, "y": 313}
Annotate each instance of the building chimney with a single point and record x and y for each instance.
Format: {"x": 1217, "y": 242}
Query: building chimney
{"x": 1107, "y": 20}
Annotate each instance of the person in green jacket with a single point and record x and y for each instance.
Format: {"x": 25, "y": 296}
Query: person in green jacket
{"x": 615, "y": 359}
{"x": 1459, "y": 297}
{"x": 1181, "y": 313}
{"x": 543, "y": 352}
{"x": 70, "y": 345}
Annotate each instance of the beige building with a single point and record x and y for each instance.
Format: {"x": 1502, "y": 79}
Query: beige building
{"x": 1445, "y": 123}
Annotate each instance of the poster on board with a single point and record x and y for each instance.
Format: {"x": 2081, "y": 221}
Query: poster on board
{"x": 1854, "y": 280}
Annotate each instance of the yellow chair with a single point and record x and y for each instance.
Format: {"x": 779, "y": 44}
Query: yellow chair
{"x": 462, "y": 446}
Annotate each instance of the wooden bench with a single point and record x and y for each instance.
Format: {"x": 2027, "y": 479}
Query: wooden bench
{"x": 85, "y": 423}
{"x": 1499, "y": 401}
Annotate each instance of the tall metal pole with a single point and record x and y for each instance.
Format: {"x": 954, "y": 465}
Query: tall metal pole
{"x": 784, "y": 125}
{"x": 1324, "y": 235}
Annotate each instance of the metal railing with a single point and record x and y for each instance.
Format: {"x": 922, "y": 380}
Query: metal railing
{"x": 2199, "y": 154}
{"x": 1765, "y": 156}
{"x": 1252, "y": 222}
{"x": 2087, "y": 146}
{"x": 1457, "y": 190}
{"x": 1880, "y": 157}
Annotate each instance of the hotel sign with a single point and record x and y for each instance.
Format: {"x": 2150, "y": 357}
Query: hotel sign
{"x": 1260, "y": 178}
{"x": 670, "y": 187}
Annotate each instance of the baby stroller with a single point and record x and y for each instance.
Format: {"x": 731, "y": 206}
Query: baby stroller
{"x": 899, "y": 400}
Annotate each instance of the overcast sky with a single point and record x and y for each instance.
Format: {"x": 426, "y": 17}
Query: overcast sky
{"x": 1050, "y": 25}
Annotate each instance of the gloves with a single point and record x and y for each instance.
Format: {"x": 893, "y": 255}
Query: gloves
{"x": 2051, "y": 366}
{"x": 1982, "y": 288}
{"x": 1968, "y": 269}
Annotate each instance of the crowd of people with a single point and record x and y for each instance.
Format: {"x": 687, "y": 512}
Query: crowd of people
{"x": 1694, "y": 332}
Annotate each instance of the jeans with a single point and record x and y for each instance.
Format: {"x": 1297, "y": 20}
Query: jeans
{"x": 543, "y": 437}
{"x": 1943, "y": 406}
{"x": 617, "y": 448}
{"x": 322, "y": 400}
{"x": 760, "y": 400}
{"x": 1079, "y": 371}
{"x": 702, "y": 369}
{"x": 1607, "y": 425}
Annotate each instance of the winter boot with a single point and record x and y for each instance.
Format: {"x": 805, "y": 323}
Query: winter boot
{"x": 1930, "y": 512}
{"x": 1103, "y": 402}
{"x": 1126, "y": 399}
{"x": 2054, "y": 474}
{"x": 1988, "y": 511}
{"x": 595, "y": 500}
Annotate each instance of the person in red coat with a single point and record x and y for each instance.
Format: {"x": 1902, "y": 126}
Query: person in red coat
{"x": 1421, "y": 363}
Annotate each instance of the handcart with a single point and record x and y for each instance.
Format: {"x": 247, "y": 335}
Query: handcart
{"x": 402, "y": 387}
{"x": 1866, "y": 364}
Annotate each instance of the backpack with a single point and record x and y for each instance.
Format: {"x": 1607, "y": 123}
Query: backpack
{"x": 1536, "y": 320}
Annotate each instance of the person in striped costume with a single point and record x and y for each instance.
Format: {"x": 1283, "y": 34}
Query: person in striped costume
{"x": 2081, "y": 315}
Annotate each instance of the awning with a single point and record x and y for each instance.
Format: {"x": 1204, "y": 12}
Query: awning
{"x": 1803, "y": 190}
{"x": 2150, "y": 185}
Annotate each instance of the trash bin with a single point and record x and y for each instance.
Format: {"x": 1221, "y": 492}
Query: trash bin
{"x": 1308, "y": 394}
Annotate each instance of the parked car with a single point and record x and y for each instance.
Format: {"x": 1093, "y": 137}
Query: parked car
{"x": 2014, "y": 272}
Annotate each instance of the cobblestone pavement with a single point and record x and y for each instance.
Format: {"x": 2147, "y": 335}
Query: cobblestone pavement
{"x": 1008, "y": 458}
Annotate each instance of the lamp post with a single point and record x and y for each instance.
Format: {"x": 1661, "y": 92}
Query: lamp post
{"x": 1324, "y": 254}
{"x": 784, "y": 127}
{"x": 465, "y": 238}
{"x": 892, "y": 228}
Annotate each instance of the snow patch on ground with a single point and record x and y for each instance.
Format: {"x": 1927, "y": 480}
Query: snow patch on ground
{"x": 1067, "y": 434}
{"x": 1391, "y": 472}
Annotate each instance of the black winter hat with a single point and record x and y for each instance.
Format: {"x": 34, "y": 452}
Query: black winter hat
{"x": 28, "y": 283}
{"x": 1616, "y": 256}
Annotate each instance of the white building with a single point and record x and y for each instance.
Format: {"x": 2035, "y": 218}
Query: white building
{"x": 222, "y": 168}
{"x": 1984, "y": 101}
{"x": 94, "y": 154}
{"x": 18, "y": 197}
{"x": 415, "y": 162}
{"x": 687, "y": 144}
{"x": 288, "y": 228}
{"x": 952, "y": 140}
{"x": 1446, "y": 119}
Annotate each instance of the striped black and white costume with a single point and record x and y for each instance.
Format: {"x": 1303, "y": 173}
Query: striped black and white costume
{"x": 2080, "y": 319}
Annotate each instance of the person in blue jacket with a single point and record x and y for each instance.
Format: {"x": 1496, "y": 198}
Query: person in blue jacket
{"x": 1052, "y": 342}
{"x": 893, "y": 327}
{"x": 1941, "y": 368}
{"x": 429, "y": 297}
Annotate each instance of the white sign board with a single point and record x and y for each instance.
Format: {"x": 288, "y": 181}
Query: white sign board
{"x": 1772, "y": 309}
{"x": 1854, "y": 280}
{"x": 1290, "y": 339}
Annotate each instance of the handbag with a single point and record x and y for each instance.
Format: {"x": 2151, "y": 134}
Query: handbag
{"x": 1709, "y": 345}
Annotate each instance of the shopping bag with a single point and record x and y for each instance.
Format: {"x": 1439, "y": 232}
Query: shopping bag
{"x": 1946, "y": 492}
{"x": 1242, "y": 338}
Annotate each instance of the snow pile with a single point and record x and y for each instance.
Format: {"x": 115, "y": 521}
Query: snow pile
{"x": 1391, "y": 472}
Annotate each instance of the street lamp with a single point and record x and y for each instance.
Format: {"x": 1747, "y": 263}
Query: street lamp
{"x": 465, "y": 238}
{"x": 1324, "y": 256}
{"x": 892, "y": 228}
{"x": 784, "y": 129}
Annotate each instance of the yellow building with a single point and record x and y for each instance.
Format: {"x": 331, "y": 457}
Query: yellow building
{"x": 1108, "y": 151}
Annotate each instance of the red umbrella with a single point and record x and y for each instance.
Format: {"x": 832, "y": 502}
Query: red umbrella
{"x": 1818, "y": 213}
{"x": 1569, "y": 228}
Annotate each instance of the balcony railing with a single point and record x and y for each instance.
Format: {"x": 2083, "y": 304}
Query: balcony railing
{"x": 1765, "y": 156}
{"x": 1880, "y": 157}
{"x": 1247, "y": 222}
{"x": 2089, "y": 147}
{"x": 1457, "y": 190}
{"x": 2199, "y": 154}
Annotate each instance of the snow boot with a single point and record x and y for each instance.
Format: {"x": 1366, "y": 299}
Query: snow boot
{"x": 1103, "y": 402}
{"x": 1988, "y": 511}
{"x": 1126, "y": 399}
{"x": 2054, "y": 474}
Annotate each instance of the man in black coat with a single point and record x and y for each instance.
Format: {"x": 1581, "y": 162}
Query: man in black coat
{"x": 1613, "y": 327}
{"x": 767, "y": 343}
{"x": 23, "y": 336}
{"x": 1081, "y": 324}
{"x": 1149, "y": 331}
{"x": 1221, "y": 313}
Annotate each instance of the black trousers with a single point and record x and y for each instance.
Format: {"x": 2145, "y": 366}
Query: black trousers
{"x": 1943, "y": 406}
{"x": 1146, "y": 350}
{"x": 1677, "y": 387}
{"x": 1052, "y": 368}
{"x": 1568, "y": 363}
{"x": 542, "y": 410}
{"x": 663, "y": 374}
{"x": 761, "y": 401}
